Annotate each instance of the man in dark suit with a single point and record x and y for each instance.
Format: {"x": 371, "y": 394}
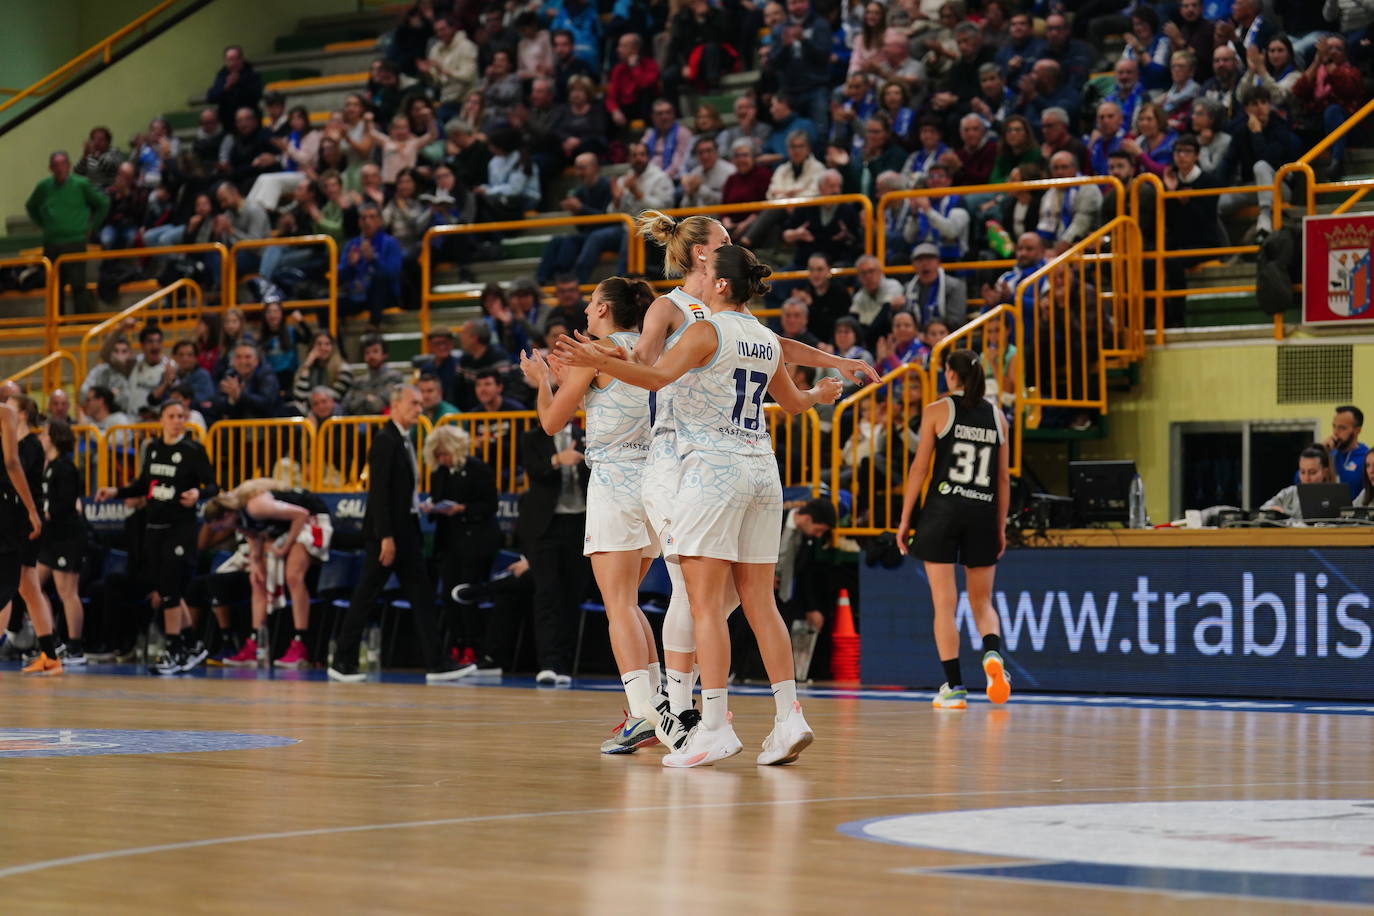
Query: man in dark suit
{"x": 553, "y": 519}
{"x": 391, "y": 531}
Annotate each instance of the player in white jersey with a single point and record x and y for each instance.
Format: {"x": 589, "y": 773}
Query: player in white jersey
{"x": 687, "y": 246}
{"x": 727, "y": 517}
{"x": 619, "y": 538}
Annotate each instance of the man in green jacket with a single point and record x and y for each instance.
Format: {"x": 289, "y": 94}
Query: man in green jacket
{"x": 67, "y": 208}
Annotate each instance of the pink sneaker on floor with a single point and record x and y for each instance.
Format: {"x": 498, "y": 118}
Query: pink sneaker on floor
{"x": 295, "y": 656}
{"x": 247, "y": 655}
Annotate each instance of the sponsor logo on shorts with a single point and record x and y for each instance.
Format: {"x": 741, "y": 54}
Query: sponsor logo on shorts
{"x": 944, "y": 488}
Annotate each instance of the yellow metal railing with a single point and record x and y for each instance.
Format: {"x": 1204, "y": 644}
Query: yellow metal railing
{"x": 1080, "y": 311}
{"x": 121, "y": 450}
{"x": 634, "y": 256}
{"x": 331, "y": 249}
{"x": 46, "y": 375}
{"x": 991, "y": 335}
{"x": 898, "y": 198}
{"x": 872, "y": 441}
{"x": 178, "y": 304}
{"x": 57, "y": 320}
{"x": 281, "y": 448}
{"x": 496, "y": 441}
{"x": 797, "y": 444}
{"x": 102, "y": 52}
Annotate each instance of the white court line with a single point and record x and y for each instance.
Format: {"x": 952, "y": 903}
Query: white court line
{"x": 32, "y": 867}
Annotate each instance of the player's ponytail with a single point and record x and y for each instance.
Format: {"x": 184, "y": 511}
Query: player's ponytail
{"x": 740, "y": 269}
{"x": 628, "y": 299}
{"x": 675, "y": 238}
{"x": 968, "y": 367}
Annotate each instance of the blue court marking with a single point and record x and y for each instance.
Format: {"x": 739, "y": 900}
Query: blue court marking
{"x": 891, "y": 695}
{"x": 85, "y": 742}
{"x": 1297, "y": 888}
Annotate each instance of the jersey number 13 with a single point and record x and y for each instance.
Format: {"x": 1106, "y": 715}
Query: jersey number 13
{"x": 743, "y": 380}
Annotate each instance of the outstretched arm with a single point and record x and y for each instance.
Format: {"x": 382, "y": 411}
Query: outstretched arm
{"x": 800, "y": 354}
{"x": 793, "y": 400}
{"x": 697, "y": 346}
{"x": 555, "y": 408}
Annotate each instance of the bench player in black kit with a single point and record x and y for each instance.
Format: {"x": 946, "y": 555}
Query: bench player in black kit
{"x": 176, "y": 474}
{"x": 963, "y": 519}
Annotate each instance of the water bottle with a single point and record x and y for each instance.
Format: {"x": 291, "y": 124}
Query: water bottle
{"x": 374, "y": 648}
{"x": 1137, "y": 504}
{"x": 263, "y": 639}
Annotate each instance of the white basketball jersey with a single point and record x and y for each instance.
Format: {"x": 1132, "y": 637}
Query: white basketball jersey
{"x": 693, "y": 309}
{"x": 618, "y": 417}
{"x": 719, "y": 407}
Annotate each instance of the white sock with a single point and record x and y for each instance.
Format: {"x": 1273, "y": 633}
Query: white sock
{"x": 679, "y": 691}
{"x": 784, "y": 695}
{"x": 637, "y": 692}
{"x": 714, "y": 704}
{"x": 655, "y": 677}
{"x": 692, "y": 686}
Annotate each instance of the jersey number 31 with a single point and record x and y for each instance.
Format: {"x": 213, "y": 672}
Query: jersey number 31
{"x": 966, "y": 458}
{"x": 743, "y": 380}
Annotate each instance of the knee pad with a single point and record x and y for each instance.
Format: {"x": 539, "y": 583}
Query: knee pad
{"x": 678, "y": 633}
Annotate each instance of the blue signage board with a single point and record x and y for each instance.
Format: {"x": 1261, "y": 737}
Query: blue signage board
{"x": 1259, "y": 622}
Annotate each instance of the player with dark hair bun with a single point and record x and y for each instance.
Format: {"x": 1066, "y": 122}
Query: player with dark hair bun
{"x": 963, "y": 519}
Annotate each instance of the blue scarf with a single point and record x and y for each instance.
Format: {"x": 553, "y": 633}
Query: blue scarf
{"x": 925, "y": 232}
{"x": 921, "y": 161}
{"x": 669, "y": 144}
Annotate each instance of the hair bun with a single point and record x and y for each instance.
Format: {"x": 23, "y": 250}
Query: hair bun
{"x": 761, "y": 271}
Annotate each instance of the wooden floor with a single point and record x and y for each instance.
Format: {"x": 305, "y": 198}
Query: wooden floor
{"x": 466, "y": 799}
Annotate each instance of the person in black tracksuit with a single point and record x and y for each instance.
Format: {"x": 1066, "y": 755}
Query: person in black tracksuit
{"x": 466, "y": 536}
{"x": 391, "y": 527}
{"x": 20, "y": 524}
{"x": 176, "y": 473}
{"x": 62, "y": 547}
{"x": 963, "y": 519}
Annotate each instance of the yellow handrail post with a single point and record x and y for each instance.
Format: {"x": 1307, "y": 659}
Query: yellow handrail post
{"x": 331, "y": 250}
{"x": 191, "y": 287}
{"x": 103, "y": 49}
{"x": 427, "y": 295}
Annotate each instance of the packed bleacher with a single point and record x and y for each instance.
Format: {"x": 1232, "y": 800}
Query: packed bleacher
{"x": 484, "y": 113}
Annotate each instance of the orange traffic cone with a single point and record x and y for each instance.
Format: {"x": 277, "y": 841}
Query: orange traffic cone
{"x": 844, "y": 653}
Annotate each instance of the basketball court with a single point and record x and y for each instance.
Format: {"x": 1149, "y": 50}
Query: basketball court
{"x": 234, "y": 791}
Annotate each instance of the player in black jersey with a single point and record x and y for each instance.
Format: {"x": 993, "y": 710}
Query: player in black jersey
{"x": 62, "y": 547}
{"x": 963, "y": 519}
{"x": 176, "y": 473}
{"x": 20, "y": 524}
{"x": 295, "y": 528}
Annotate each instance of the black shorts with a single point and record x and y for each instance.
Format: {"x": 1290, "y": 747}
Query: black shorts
{"x": 170, "y": 555}
{"x": 65, "y": 554}
{"x": 9, "y": 576}
{"x": 949, "y": 534}
{"x": 28, "y": 551}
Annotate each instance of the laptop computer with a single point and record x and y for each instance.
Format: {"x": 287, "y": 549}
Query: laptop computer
{"x": 1320, "y": 501}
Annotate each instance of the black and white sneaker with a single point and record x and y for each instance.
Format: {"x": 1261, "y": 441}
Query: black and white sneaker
{"x": 346, "y": 673}
{"x": 169, "y": 663}
{"x": 69, "y": 657}
{"x": 488, "y": 667}
{"x": 449, "y": 672}
{"x": 672, "y": 730}
{"x": 194, "y": 656}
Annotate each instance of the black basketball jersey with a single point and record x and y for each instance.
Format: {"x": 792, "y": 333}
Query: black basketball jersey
{"x": 169, "y": 470}
{"x": 966, "y": 458}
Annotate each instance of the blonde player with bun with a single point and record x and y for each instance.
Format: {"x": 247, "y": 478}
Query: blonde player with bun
{"x": 687, "y": 245}
{"x": 727, "y": 508}
{"x": 620, "y": 539}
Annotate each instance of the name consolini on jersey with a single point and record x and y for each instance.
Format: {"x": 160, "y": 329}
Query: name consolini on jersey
{"x": 974, "y": 433}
